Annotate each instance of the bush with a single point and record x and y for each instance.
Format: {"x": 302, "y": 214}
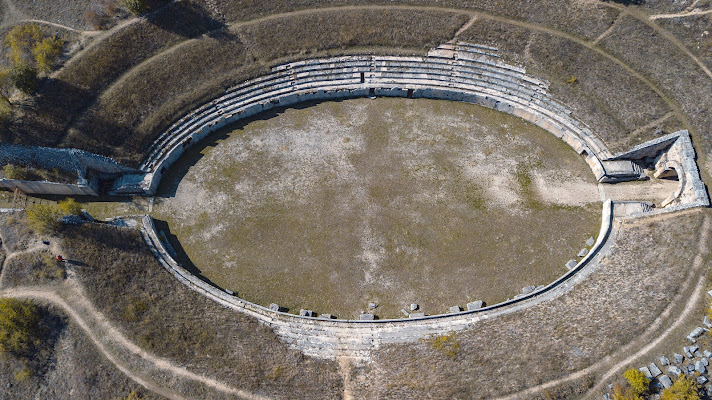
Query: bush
{"x": 11, "y": 171}
{"x": 44, "y": 218}
{"x": 24, "y": 77}
{"x": 637, "y": 381}
{"x": 20, "y": 331}
{"x": 46, "y": 51}
{"x": 135, "y": 6}
{"x": 683, "y": 389}
{"x": 69, "y": 206}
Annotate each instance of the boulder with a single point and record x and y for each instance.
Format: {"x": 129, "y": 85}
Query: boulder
{"x": 678, "y": 358}
{"x": 413, "y": 307}
{"x": 571, "y": 264}
{"x": 705, "y": 361}
{"x": 306, "y": 313}
{"x": 372, "y": 306}
{"x": 665, "y": 381}
{"x": 274, "y": 307}
{"x": 687, "y": 352}
{"x": 700, "y": 367}
{"x": 455, "y": 309}
{"x": 674, "y": 370}
{"x": 590, "y": 242}
{"x": 654, "y": 370}
{"x": 326, "y": 316}
{"x": 475, "y": 305}
{"x": 707, "y": 353}
{"x": 664, "y": 360}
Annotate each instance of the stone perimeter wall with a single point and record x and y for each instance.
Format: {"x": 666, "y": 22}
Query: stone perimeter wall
{"x": 329, "y": 338}
{"x": 43, "y": 187}
{"x": 452, "y": 71}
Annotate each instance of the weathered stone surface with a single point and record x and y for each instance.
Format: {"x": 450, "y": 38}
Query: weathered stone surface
{"x": 678, "y": 358}
{"x": 700, "y": 367}
{"x": 590, "y": 242}
{"x": 583, "y": 253}
{"x": 528, "y": 289}
{"x": 326, "y": 316}
{"x": 698, "y": 354}
{"x": 416, "y": 315}
{"x": 274, "y": 307}
{"x": 664, "y": 360}
{"x": 707, "y": 353}
{"x": 687, "y": 352}
{"x": 646, "y": 372}
{"x": 413, "y": 307}
{"x": 654, "y": 370}
{"x": 701, "y": 380}
{"x": 674, "y": 370}
{"x": 697, "y": 332}
{"x": 691, "y": 339}
{"x": 367, "y": 317}
{"x": 705, "y": 361}
{"x": 570, "y": 264}
{"x": 306, "y": 313}
{"x": 475, "y": 305}
{"x": 665, "y": 381}
{"x": 690, "y": 369}
{"x": 455, "y": 309}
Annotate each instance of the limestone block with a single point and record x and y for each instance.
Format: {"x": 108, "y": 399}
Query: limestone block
{"x": 646, "y": 372}
{"x": 664, "y": 360}
{"x": 528, "y": 289}
{"x": 404, "y": 312}
{"x": 687, "y": 352}
{"x": 705, "y": 361}
{"x": 708, "y": 353}
{"x": 455, "y": 309}
{"x": 700, "y": 367}
{"x": 701, "y": 380}
{"x": 690, "y": 369}
{"x": 707, "y": 322}
{"x": 413, "y": 307}
{"x": 583, "y": 252}
{"x": 367, "y": 317}
{"x": 665, "y": 381}
{"x": 326, "y": 316}
{"x": 654, "y": 370}
{"x": 416, "y": 315}
{"x": 306, "y": 313}
{"x": 570, "y": 264}
{"x": 678, "y": 358}
{"x": 274, "y": 307}
{"x": 674, "y": 370}
{"x": 372, "y": 306}
{"x": 697, "y": 332}
{"x": 475, "y": 305}
{"x": 590, "y": 242}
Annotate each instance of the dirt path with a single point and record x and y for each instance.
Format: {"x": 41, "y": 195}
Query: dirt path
{"x": 682, "y": 14}
{"x": 644, "y": 338}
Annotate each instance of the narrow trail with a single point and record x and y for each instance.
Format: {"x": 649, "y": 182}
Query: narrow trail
{"x": 679, "y": 15}
{"x": 690, "y": 306}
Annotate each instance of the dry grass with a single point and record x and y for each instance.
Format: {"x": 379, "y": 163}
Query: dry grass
{"x": 548, "y": 341}
{"x": 33, "y": 268}
{"x": 15, "y": 231}
{"x": 128, "y": 285}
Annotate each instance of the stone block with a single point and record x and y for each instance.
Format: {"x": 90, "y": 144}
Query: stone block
{"x": 528, "y": 289}
{"x": 475, "y": 305}
{"x": 691, "y": 339}
{"x": 664, "y": 360}
{"x": 404, "y": 312}
{"x": 700, "y": 367}
{"x": 646, "y": 372}
{"x": 372, "y": 306}
{"x": 367, "y": 317}
{"x": 690, "y": 369}
{"x": 590, "y": 241}
{"x": 693, "y": 349}
{"x": 306, "y": 313}
{"x": 702, "y": 380}
{"x": 697, "y": 332}
{"x": 707, "y": 353}
{"x": 674, "y": 370}
{"x": 698, "y": 354}
{"x": 654, "y": 370}
{"x": 455, "y": 309}
{"x": 326, "y": 316}
{"x": 709, "y": 293}
{"x": 416, "y": 315}
{"x": 687, "y": 352}
{"x": 413, "y": 307}
{"x": 665, "y": 381}
{"x": 707, "y": 322}
{"x": 705, "y": 361}
{"x": 274, "y": 307}
{"x": 583, "y": 252}
{"x": 678, "y": 358}
{"x": 570, "y": 264}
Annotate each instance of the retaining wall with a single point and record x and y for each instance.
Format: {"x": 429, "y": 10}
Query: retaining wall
{"x": 459, "y": 72}
{"x": 43, "y": 187}
{"x": 328, "y": 338}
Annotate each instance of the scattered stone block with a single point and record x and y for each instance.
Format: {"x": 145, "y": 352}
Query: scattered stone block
{"x": 701, "y": 380}
{"x": 665, "y": 381}
{"x": 690, "y": 369}
{"x": 707, "y": 353}
{"x": 691, "y": 339}
{"x": 583, "y": 252}
{"x": 590, "y": 241}
{"x": 455, "y": 309}
{"x": 707, "y": 322}
{"x": 700, "y": 367}
{"x": 698, "y": 354}
{"x": 274, "y": 307}
{"x": 571, "y": 264}
{"x": 416, "y": 315}
{"x": 674, "y": 370}
{"x": 646, "y": 372}
{"x": 697, "y": 332}
{"x": 678, "y": 358}
{"x": 654, "y": 370}
{"x": 687, "y": 352}
{"x": 230, "y": 292}
{"x": 414, "y": 307}
{"x": 404, "y": 312}
{"x": 475, "y": 305}
{"x": 326, "y": 316}
{"x": 709, "y": 293}
{"x": 664, "y": 360}
{"x": 306, "y": 313}
{"x": 367, "y": 317}
{"x": 372, "y": 306}
{"x": 528, "y": 289}
{"x": 705, "y": 361}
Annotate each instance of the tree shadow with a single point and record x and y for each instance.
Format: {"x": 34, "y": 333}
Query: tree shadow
{"x": 186, "y": 19}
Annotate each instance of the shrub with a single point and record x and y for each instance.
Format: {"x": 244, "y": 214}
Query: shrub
{"x": 21, "y": 39}
{"x": 69, "y": 206}
{"x": 447, "y": 344}
{"x": 44, "y": 218}
{"x": 13, "y": 172}
{"x": 20, "y": 331}
{"x": 135, "y": 6}
{"x": 46, "y": 51}
{"x": 24, "y": 77}
{"x": 683, "y": 389}
{"x": 637, "y": 381}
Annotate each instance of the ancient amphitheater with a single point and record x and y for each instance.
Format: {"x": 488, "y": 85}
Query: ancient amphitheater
{"x": 626, "y": 92}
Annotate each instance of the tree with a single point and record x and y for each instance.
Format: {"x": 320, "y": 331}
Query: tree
{"x": 21, "y": 40}
{"x": 44, "y": 218}
{"x": 637, "y": 380}
{"x": 69, "y": 206}
{"x": 20, "y": 329}
{"x": 46, "y": 51}
{"x": 683, "y": 389}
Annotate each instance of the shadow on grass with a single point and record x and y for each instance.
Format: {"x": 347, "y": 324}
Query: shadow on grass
{"x": 171, "y": 179}
{"x": 185, "y": 19}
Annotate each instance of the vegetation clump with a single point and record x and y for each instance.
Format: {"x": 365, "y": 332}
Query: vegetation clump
{"x": 20, "y": 330}
{"x": 136, "y": 6}
{"x": 684, "y": 388}
{"x": 44, "y": 218}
